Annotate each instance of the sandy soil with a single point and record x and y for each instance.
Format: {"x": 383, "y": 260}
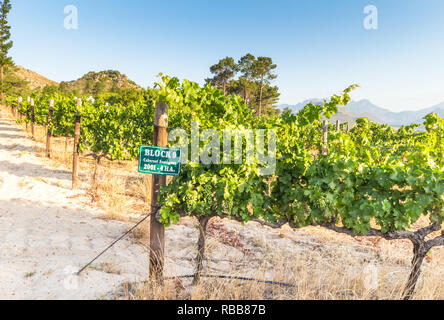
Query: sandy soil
{"x": 47, "y": 233}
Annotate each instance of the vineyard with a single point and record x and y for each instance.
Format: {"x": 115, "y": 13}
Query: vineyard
{"x": 365, "y": 180}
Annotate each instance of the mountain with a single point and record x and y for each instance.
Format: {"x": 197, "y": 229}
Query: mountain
{"x": 439, "y": 109}
{"x": 394, "y": 118}
{"x": 35, "y": 80}
{"x": 366, "y": 109}
{"x": 343, "y": 114}
{"x": 295, "y": 108}
{"x": 93, "y": 82}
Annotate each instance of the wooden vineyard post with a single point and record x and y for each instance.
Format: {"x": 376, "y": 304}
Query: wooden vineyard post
{"x": 338, "y": 125}
{"x": 19, "y": 107}
{"x": 157, "y": 230}
{"x": 325, "y": 138}
{"x": 27, "y": 115}
{"x": 75, "y": 160}
{"x": 49, "y": 128}
{"x": 10, "y": 106}
{"x": 348, "y": 127}
{"x": 32, "y": 119}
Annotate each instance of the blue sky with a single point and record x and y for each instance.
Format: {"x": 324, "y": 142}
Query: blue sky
{"x": 320, "y": 46}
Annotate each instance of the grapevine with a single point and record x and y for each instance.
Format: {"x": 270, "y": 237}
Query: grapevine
{"x": 374, "y": 180}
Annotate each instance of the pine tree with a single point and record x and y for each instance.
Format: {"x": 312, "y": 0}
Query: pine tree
{"x": 262, "y": 73}
{"x": 253, "y": 83}
{"x": 268, "y": 99}
{"x": 5, "y": 44}
{"x": 223, "y": 71}
{"x": 245, "y": 67}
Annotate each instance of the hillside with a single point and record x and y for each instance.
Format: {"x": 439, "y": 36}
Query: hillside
{"x": 35, "y": 80}
{"x": 23, "y": 81}
{"x": 93, "y": 82}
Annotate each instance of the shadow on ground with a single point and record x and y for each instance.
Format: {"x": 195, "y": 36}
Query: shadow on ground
{"x": 35, "y": 170}
{"x": 17, "y": 147}
{"x": 11, "y": 136}
{"x": 2, "y": 128}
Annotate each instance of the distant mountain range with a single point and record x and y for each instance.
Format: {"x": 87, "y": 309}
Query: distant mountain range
{"x": 364, "y": 108}
{"x": 110, "y": 79}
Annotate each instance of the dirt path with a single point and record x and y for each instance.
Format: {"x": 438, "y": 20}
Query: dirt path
{"x": 46, "y": 233}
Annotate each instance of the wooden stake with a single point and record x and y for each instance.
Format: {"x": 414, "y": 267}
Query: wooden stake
{"x": 49, "y": 128}
{"x": 325, "y": 138}
{"x": 27, "y": 115}
{"x": 75, "y": 161}
{"x": 157, "y": 230}
{"x": 338, "y": 125}
{"x": 32, "y": 119}
{"x": 12, "y": 107}
{"x": 19, "y": 107}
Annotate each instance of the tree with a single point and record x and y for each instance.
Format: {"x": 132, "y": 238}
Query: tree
{"x": 5, "y": 44}
{"x": 49, "y": 90}
{"x": 89, "y": 84}
{"x": 63, "y": 87}
{"x": 253, "y": 83}
{"x": 243, "y": 88}
{"x": 270, "y": 96}
{"x": 115, "y": 88}
{"x": 98, "y": 88}
{"x": 223, "y": 71}
{"x": 262, "y": 73}
{"x": 14, "y": 84}
{"x": 245, "y": 66}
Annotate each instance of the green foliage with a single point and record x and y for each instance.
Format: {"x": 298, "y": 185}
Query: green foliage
{"x": 117, "y": 130}
{"x": 5, "y": 43}
{"x": 15, "y": 85}
{"x": 355, "y": 184}
{"x": 97, "y": 83}
{"x": 253, "y": 84}
{"x": 263, "y": 74}
{"x": 223, "y": 72}
{"x": 371, "y": 175}
{"x": 5, "y": 34}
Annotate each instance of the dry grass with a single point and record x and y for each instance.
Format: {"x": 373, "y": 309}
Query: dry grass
{"x": 320, "y": 264}
{"x": 328, "y": 269}
{"x": 110, "y": 195}
{"x": 143, "y": 188}
{"x": 313, "y": 276}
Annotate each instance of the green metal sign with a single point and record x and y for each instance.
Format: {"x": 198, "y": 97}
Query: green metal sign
{"x": 159, "y": 161}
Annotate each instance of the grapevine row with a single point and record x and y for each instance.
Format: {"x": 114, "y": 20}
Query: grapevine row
{"x": 373, "y": 180}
